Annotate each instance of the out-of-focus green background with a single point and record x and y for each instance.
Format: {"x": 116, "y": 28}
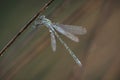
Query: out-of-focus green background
{"x": 31, "y": 57}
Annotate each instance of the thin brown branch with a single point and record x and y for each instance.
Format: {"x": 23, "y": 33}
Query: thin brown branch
{"x": 25, "y": 27}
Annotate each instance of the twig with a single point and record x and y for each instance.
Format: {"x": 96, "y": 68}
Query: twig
{"x": 24, "y": 28}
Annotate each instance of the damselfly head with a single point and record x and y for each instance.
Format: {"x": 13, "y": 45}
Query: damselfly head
{"x": 42, "y": 17}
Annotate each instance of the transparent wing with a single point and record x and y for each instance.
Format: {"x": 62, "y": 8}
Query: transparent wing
{"x": 67, "y": 34}
{"x": 79, "y": 30}
{"x": 53, "y": 41}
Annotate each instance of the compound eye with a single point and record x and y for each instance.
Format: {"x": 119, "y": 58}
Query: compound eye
{"x": 41, "y": 17}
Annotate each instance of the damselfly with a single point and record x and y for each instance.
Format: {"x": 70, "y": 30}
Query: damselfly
{"x": 66, "y": 30}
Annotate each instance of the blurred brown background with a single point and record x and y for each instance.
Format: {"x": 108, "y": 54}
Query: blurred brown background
{"x": 31, "y": 56}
